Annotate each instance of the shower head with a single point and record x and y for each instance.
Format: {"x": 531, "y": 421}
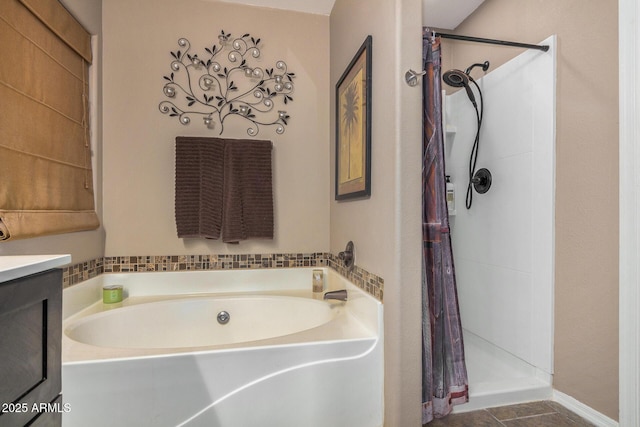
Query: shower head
{"x": 456, "y": 78}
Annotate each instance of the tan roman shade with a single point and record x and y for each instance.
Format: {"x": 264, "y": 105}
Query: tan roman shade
{"x": 46, "y": 182}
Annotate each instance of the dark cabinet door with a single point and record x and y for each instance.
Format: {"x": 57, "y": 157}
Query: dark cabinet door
{"x": 30, "y": 346}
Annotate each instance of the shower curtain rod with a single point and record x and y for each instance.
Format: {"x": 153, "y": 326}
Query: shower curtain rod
{"x": 543, "y": 47}
{"x": 411, "y": 76}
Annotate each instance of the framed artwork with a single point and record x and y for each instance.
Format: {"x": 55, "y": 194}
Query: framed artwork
{"x": 353, "y": 127}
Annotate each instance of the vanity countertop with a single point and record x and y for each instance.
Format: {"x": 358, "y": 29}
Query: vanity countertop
{"x": 15, "y": 266}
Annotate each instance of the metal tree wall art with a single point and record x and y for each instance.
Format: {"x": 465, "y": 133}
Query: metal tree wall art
{"x": 216, "y": 86}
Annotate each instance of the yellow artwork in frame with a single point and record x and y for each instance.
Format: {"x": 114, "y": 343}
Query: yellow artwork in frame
{"x": 353, "y": 127}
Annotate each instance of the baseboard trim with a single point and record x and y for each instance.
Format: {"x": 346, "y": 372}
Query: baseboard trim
{"x": 583, "y": 410}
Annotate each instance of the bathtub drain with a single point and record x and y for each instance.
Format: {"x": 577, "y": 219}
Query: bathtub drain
{"x": 223, "y": 317}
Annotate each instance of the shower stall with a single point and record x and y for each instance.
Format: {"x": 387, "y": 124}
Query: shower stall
{"x": 503, "y": 244}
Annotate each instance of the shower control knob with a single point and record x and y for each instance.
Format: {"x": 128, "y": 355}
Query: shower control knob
{"x": 348, "y": 256}
{"x": 481, "y": 180}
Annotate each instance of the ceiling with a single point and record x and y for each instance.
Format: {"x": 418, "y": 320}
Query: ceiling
{"x": 444, "y": 14}
{"x": 447, "y": 14}
{"x": 318, "y": 7}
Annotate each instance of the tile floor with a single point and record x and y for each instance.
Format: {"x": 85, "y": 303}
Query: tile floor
{"x": 533, "y": 414}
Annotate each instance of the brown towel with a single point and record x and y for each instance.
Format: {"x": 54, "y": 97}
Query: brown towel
{"x": 199, "y": 184}
{"x": 223, "y": 187}
{"x": 248, "y": 197}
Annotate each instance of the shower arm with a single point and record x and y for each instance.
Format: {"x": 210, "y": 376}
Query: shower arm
{"x": 484, "y": 65}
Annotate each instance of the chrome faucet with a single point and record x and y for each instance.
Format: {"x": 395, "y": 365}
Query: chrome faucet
{"x": 340, "y": 295}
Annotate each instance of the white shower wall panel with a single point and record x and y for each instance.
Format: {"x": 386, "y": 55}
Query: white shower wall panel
{"x": 503, "y": 246}
{"x": 495, "y": 305}
{"x": 492, "y": 230}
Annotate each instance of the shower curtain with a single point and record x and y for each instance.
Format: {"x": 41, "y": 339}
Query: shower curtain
{"x": 444, "y": 374}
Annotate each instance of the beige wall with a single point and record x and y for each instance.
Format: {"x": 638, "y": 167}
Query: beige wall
{"x": 84, "y": 245}
{"x": 586, "y": 249}
{"x": 385, "y": 227}
{"x": 139, "y": 140}
{"x": 136, "y": 187}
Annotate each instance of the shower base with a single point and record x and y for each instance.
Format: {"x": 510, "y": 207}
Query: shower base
{"x": 498, "y": 378}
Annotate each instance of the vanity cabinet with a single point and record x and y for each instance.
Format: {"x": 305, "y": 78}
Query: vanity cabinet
{"x": 30, "y": 350}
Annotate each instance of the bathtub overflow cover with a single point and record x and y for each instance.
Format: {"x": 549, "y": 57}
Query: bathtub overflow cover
{"x": 223, "y": 317}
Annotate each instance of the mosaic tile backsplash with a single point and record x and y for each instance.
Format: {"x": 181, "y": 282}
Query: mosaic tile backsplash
{"x": 76, "y": 273}
{"x": 80, "y": 272}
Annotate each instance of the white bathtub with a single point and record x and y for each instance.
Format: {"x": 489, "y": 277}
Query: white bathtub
{"x": 162, "y": 359}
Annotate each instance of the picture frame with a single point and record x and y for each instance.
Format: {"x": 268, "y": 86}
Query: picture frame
{"x": 353, "y": 127}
